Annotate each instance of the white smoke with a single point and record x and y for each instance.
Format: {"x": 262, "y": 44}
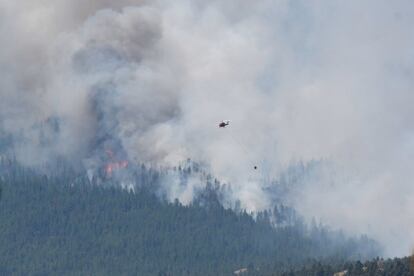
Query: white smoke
{"x": 298, "y": 80}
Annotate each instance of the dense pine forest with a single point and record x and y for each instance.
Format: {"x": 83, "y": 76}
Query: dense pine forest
{"x": 377, "y": 266}
{"x": 61, "y": 225}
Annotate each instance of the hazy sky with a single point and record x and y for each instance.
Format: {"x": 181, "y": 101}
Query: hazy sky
{"x": 299, "y": 80}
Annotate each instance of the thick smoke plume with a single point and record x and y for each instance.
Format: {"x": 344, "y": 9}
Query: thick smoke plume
{"x": 150, "y": 80}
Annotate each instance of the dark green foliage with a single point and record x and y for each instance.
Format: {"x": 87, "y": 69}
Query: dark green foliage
{"x": 377, "y": 267}
{"x": 58, "y": 225}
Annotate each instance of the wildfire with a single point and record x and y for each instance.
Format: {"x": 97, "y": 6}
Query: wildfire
{"x": 113, "y": 166}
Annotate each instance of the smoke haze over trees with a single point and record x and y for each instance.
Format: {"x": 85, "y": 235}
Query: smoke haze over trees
{"x": 112, "y": 84}
{"x": 61, "y": 225}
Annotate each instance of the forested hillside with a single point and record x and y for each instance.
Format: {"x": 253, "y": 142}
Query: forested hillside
{"x": 377, "y": 266}
{"x": 61, "y": 225}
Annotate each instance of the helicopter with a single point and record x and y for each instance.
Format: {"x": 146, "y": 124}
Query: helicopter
{"x": 224, "y": 123}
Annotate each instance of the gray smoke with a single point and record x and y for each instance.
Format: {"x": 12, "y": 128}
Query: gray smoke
{"x": 299, "y": 80}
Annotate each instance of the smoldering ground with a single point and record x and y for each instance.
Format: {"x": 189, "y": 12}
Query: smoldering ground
{"x": 298, "y": 80}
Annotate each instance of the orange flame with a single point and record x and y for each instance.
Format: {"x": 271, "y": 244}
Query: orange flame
{"x": 113, "y": 166}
